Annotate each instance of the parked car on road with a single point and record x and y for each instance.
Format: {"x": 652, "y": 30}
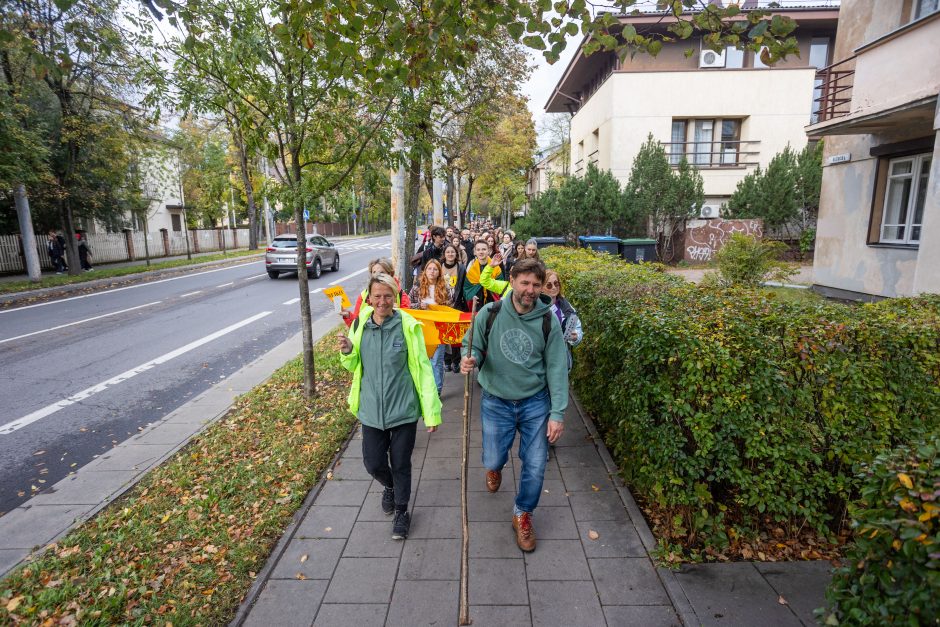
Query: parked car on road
{"x": 281, "y": 256}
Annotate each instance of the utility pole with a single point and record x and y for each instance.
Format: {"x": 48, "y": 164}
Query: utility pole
{"x": 189, "y": 254}
{"x": 21, "y": 200}
{"x": 437, "y": 186}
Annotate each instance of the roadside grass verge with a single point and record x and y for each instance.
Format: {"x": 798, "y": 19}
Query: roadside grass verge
{"x": 104, "y": 272}
{"x": 185, "y": 544}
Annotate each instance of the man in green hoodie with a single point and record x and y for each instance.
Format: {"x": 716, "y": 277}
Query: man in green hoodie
{"x": 524, "y": 374}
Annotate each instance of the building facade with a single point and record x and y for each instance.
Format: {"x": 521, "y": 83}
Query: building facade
{"x": 878, "y": 232}
{"x": 726, "y": 112}
{"x": 549, "y": 169}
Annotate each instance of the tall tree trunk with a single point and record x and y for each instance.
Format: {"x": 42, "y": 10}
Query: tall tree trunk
{"x": 451, "y": 209}
{"x": 67, "y": 222}
{"x": 28, "y": 235}
{"x": 239, "y": 139}
{"x": 466, "y": 211}
{"x": 411, "y": 213}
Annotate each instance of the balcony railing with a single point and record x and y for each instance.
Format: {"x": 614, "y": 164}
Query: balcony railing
{"x": 832, "y": 91}
{"x": 578, "y": 167}
{"x": 714, "y": 154}
{"x": 592, "y": 158}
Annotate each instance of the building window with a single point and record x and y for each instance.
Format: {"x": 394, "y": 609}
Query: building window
{"x": 905, "y": 192}
{"x": 177, "y": 223}
{"x": 713, "y": 143}
{"x": 924, "y": 8}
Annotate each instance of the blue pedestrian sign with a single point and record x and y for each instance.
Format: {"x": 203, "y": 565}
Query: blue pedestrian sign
{"x": 306, "y": 215}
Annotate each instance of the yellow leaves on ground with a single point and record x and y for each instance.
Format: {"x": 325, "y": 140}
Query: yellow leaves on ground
{"x": 905, "y": 481}
{"x": 14, "y": 603}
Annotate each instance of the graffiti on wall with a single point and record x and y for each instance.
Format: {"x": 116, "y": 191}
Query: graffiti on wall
{"x": 702, "y": 242}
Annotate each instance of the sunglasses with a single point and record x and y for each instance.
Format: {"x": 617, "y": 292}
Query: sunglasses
{"x": 553, "y": 284}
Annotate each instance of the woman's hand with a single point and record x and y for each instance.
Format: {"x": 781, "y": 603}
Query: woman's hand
{"x": 432, "y": 429}
{"x": 345, "y": 344}
{"x": 496, "y": 260}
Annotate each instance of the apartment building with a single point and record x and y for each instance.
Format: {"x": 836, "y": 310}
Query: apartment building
{"x": 726, "y": 112}
{"x": 878, "y": 232}
{"x": 549, "y": 168}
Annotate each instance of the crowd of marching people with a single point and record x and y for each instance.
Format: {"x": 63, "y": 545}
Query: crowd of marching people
{"x": 523, "y": 373}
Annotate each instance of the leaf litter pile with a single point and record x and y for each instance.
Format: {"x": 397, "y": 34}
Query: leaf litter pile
{"x": 184, "y": 545}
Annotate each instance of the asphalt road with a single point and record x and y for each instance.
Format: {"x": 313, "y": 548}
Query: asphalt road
{"x": 81, "y": 374}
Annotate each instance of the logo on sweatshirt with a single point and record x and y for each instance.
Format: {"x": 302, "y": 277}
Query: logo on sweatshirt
{"x": 516, "y": 346}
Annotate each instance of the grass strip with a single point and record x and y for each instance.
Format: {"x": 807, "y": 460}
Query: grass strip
{"x": 185, "y": 544}
{"x": 57, "y": 280}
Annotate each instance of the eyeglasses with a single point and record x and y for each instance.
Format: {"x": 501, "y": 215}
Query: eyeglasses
{"x": 552, "y": 284}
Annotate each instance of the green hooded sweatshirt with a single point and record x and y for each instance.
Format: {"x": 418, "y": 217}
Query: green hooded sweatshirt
{"x": 392, "y": 379}
{"x": 519, "y": 361}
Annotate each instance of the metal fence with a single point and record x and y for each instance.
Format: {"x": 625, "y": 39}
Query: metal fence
{"x": 127, "y": 246}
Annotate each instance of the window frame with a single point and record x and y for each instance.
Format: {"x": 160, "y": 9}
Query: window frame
{"x": 918, "y": 162}
{"x": 715, "y": 157}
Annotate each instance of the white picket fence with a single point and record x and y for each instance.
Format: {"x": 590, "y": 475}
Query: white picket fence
{"x": 114, "y": 247}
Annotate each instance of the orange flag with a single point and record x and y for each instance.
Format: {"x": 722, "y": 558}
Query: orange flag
{"x": 441, "y": 325}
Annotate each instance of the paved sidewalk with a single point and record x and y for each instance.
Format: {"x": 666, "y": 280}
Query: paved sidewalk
{"x": 339, "y": 565}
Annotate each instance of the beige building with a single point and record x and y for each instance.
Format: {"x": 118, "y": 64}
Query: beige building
{"x": 726, "y": 112}
{"x": 548, "y": 171}
{"x": 879, "y": 217}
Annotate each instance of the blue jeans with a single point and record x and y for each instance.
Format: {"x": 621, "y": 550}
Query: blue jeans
{"x": 437, "y": 366}
{"x": 501, "y": 419}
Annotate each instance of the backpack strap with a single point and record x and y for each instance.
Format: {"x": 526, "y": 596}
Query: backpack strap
{"x": 487, "y": 327}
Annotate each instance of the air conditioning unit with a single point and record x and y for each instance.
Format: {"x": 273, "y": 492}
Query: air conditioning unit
{"x": 708, "y": 211}
{"x": 710, "y": 58}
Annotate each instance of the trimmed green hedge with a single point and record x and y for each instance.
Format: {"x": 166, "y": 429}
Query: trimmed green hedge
{"x": 729, "y": 407}
{"x": 892, "y": 574}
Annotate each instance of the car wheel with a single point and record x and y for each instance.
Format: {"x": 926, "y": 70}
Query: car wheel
{"x": 316, "y": 269}
{"x": 273, "y": 274}
{"x": 335, "y": 267}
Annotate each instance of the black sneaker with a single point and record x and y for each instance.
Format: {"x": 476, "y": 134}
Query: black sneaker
{"x": 402, "y": 525}
{"x": 388, "y": 501}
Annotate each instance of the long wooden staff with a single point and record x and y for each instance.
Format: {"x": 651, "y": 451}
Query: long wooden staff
{"x": 465, "y": 450}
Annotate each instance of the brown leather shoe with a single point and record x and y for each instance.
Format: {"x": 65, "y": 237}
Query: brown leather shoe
{"x": 493, "y": 479}
{"x": 525, "y": 534}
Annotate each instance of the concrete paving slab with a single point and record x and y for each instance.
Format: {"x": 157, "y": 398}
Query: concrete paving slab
{"x": 498, "y": 581}
{"x": 351, "y": 468}
{"x": 436, "y": 560}
{"x": 615, "y": 538}
{"x": 349, "y": 615}
{"x": 167, "y": 433}
{"x": 11, "y": 557}
{"x": 645, "y": 615}
{"x": 500, "y": 616}
{"x": 733, "y": 594}
{"x": 490, "y": 507}
{"x": 327, "y": 521}
{"x": 493, "y": 539}
{"x": 578, "y": 457}
{"x": 32, "y": 526}
{"x": 557, "y": 560}
{"x": 802, "y": 584}
{"x": 438, "y": 493}
{"x": 135, "y": 457}
{"x": 441, "y": 447}
{"x": 435, "y": 523}
{"x": 597, "y": 506}
{"x": 372, "y": 539}
{"x": 343, "y": 493}
{"x": 565, "y": 603}
{"x": 553, "y": 494}
{"x": 418, "y": 603}
{"x": 627, "y": 581}
{"x": 363, "y": 580}
{"x": 313, "y": 559}
{"x": 287, "y": 603}
{"x": 554, "y": 523}
{"x": 85, "y": 488}
{"x": 441, "y": 468}
{"x": 589, "y": 479}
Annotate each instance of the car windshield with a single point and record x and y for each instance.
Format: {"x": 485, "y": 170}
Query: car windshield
{"x": 285, "y": 243}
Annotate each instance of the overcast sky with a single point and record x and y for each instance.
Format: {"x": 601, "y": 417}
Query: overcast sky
{"x": 539, "y": 87}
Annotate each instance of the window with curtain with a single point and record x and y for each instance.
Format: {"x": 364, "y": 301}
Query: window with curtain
{"x": 730, "y": 141}
{"x": 702, "y": 146}
{"x": 677, "y": 143}
{"x": 904, "y": 199}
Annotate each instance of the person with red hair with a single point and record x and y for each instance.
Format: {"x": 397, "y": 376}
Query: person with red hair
{"x": 432, "y": 289}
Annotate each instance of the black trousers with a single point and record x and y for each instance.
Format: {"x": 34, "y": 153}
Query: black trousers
{"x": 395, "y": 445}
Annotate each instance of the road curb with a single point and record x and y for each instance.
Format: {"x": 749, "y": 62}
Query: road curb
{"x": 120, "y": 281}
{"x": 46, "y": 522}
{"x": 667, "y": 577}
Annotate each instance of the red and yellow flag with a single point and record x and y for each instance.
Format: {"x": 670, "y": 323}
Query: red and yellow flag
{"x": 441, "y": 325}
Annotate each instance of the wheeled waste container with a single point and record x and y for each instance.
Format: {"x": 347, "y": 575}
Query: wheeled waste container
{"x": 544, "y": 242}
{"x": 638, "y": 250}
{"x": 601, "y": 243}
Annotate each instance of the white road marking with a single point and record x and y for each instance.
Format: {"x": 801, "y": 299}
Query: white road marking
{"x": 190, "y": 294}
{"x": 226, "y": 284}
{"x": 129, "y": 287}
{"x": 62, "y": 326}
{"x": 316, "y": 291}
{"x": 39, "y": 414}
{"x": 291, "y": 301}
{"x": 349, "y": 276}
{"x": 257, "y": 276}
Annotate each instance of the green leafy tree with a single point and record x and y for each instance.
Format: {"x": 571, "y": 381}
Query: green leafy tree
{"x": 664, "y": 198}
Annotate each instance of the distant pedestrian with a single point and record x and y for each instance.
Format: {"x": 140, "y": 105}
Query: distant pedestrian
{"x": 519, "y": 347}
{"x": 381, "y": 265}
{"x": 431, "y": 289}
{"x": 55, "y": 244}
{"x": 532, "y": 249}
{"x": 392, "y": 387}
{"x": 84, "y": 251}
{"x": 505, "y": 247}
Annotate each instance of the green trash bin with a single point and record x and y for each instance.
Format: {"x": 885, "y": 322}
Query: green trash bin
{"x": 638, "y": 250}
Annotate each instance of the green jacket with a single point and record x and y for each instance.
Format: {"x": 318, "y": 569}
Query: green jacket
{"x": 391, "y": 395}
{"x": 519, "y": 361}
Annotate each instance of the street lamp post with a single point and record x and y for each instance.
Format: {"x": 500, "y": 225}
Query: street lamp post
{"x": 189, "y": 254}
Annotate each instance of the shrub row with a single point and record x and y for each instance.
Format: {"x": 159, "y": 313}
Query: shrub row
{"x": 729, "y": 407}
